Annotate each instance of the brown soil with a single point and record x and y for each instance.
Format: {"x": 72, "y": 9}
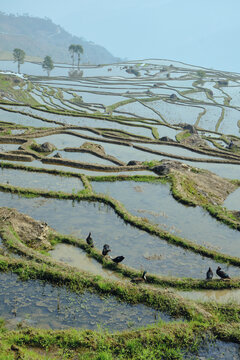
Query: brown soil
{"x": 203, "y": 186}
{"x": 31, "y": 232}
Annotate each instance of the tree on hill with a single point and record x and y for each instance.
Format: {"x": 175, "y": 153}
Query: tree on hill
{"x": 71, "y": 49}
{"x": 79, "y": 50}
{"x": 47, "y": 64}
{"x": 19, "y": 56}
{"x": 75, "y": 49}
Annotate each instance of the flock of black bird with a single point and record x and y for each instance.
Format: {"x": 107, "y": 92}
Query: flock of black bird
{"x": 106, "y": 249}
{"x": 219, "y": 272}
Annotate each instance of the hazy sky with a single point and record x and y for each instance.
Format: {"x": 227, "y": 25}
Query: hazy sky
{"x": 200, "y": 32}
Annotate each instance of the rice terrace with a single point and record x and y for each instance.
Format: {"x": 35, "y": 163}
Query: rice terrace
{"x": 142, "y": 159}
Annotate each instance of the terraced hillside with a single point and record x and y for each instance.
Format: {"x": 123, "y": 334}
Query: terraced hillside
{"x": 145, "y": 156}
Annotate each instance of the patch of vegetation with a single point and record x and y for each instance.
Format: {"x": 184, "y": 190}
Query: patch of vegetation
{"x": 155, "y": 133}
{"x": 128, "y": 218}
{"x": 182, "y": 135}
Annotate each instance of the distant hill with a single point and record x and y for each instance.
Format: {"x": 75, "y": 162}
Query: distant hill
{"x": 40, "y": 37}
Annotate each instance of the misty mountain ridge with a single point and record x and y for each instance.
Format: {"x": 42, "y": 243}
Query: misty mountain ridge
{"x": 40, "y": 37}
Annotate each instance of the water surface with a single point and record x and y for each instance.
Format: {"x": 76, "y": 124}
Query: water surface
{"x": 37, "y": 303}
{"x": 141, "y": 250}
{"x": 37, "y": 180}
{"x": 155, "y": 202}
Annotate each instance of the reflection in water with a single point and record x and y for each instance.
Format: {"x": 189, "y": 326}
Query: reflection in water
{"x": 155, "y": 202}
{"x": 38, "y": 164}
{"x": 77, "y": 257}
{"x": 233, "y": 200}
{"x": 83, "y": 157}
{"x": 40, "y": 304}
{"x": 222, "y": 296}
{"x": 23, "y": 120}
{"x": 40, "y": 180}
{"x": 137, "y": 246}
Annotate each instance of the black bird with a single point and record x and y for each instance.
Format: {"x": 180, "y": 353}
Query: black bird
{"x": 117, "y": 259}
{"x": 89, "y": 240}
{"x": 222, "y": 273}
{"x": 140, "y": 279}
{"x": 209, "y": 274}
{"x": 106, "y": 249}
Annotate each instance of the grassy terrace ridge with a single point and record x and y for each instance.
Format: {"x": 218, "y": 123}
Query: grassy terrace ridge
{"x": 197, "y": 323}
{"x": 227, "y": 217}
{"x": 162, "y": 338}
{"x": 13, "y": 242}
{"x": 164, "y": 341}
{"x": 73, "y": 113}
{"x": 231, "y": 158}
{"x": 86, "y": 195}
{"x": 78, "y": 281}
{"x": 188, "y": 194}
{"x": 122, "y": 177}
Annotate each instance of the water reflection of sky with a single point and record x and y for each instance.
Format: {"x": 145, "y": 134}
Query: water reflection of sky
{"x": 40, "y": 304}
{"x": 141, "y": 250}
{"x": 40, "y": 180}
{"x": 155, "y": 202}
{"x": 220, "y": 296}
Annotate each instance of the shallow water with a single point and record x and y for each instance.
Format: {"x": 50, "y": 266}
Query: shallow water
{"x": 155, "y": 202}
{"x": 176, "y": 150}
{"x": 141, "y": 250}
{"x": 209, "y": 120}
{"x": 220, "y": 296}
{"x": 233, "y": 200}
{"x": 121, "y": 152}
{"x": 40, "y": 180}
{"x": 138, "y": 109}
{"x": 83, "y": 157}
{"x": 8, "y": 147}
{"x": 23, "y": 120}
{"x": 229, "y": 124}
{"x": 17, "y": 132}
{"x": 174, "y": 113}
{"x": 39, "y": 304}
{"x": 228, "y": 171}
{"x": 215, "y": 350}
{"x": 39, "y": 164}
{"x": 76, "y": 257}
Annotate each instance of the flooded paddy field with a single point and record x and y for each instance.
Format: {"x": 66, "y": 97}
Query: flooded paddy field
{"x": 155, "y": 202}
{"x": 175, "y": 111}
{"x": 39, "y": 180}
{"x": 219, "y": 296}
{"x": 150, "y": 253}
{"x": 39, "y": 304}
{"x": 216, "y": 350}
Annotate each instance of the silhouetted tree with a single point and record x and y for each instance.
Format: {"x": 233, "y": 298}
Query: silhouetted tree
{"x": 78, "y": 50}
{"x": 72, "y": 50}
{"x": 75, "y": 49}
{"x": 19, "y": 56}
{"x": 47, "y": 64}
